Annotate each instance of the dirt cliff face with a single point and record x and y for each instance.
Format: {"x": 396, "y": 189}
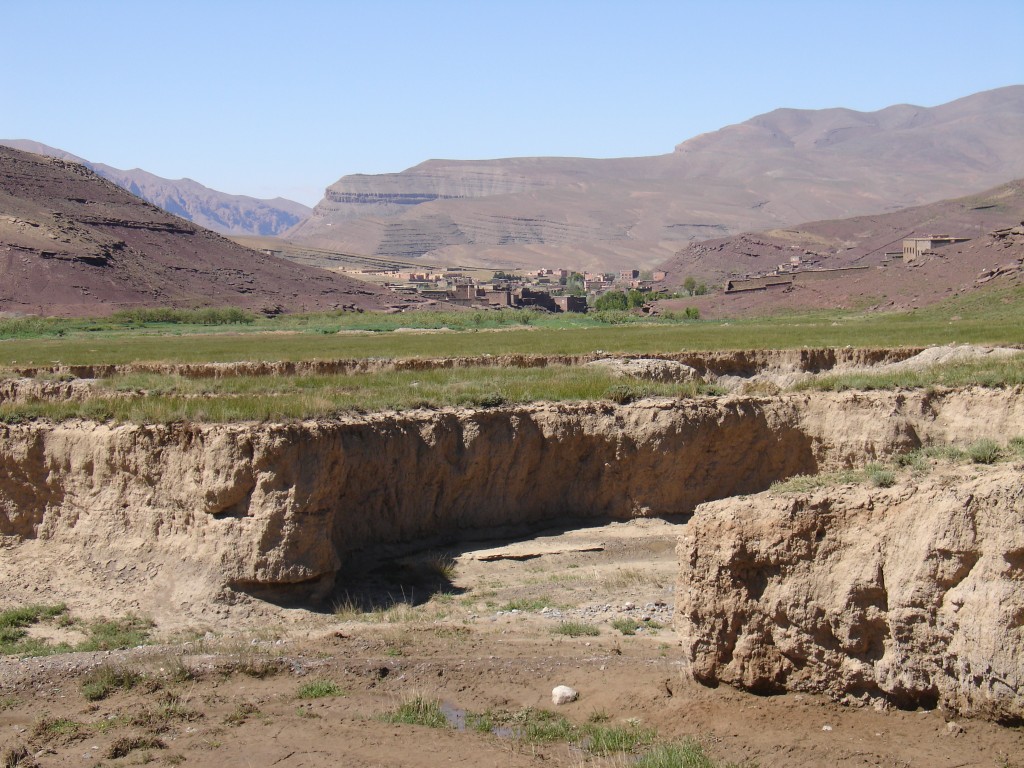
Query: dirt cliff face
{"x": 184, "y": 519}
{"x": 909, "y": 594}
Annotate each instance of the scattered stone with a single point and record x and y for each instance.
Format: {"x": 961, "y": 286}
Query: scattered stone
{"x": 954, "y": 728}
{"x": 563, "y": 694}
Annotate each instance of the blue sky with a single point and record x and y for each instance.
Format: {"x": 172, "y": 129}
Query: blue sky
{"x": 282, "y": 98}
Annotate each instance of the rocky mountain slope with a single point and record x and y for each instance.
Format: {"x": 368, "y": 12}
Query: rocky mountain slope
{"x": 991, "y": 221}
{"x": 218, "y": 211}
{"x": 72, "y": 243}
{"x": 776, "y": 169}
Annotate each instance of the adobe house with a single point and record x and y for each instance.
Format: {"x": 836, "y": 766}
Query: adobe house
{"x": 571, "y": 303}
{"x": 915, "y": 247}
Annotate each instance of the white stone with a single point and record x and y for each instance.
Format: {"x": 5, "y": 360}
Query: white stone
{"x": 563, "y": 694}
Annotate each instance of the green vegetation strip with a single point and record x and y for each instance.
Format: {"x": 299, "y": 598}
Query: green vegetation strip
{"x": 985, "y": 317}
{"x": 173, "y": 398}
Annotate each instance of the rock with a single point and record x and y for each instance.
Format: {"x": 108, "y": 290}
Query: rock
{"x": 563, "y": 694}
{"x": 954, "y": 728}
{"x": 909, "y": 594}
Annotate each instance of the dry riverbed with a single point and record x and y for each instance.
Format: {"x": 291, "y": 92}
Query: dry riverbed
{"x": 486, "y": 630}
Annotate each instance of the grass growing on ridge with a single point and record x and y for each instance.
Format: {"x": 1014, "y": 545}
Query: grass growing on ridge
{"x": 248, "y": 398}
{"x": 1003, "y": 372}
{"x": 984, "y": 451}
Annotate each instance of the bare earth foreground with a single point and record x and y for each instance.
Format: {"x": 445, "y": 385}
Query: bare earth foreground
{"x": 238, "y": 705}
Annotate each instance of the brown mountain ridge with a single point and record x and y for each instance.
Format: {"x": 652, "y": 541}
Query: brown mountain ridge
{"x": 72, "y": 243}
{"x": 777, "y": 169}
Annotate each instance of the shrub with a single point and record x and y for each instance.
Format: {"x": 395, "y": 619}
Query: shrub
{"x": 626, "y": 626}
{"x": 126, "y": 744}
{"x": 491, "y": 400}
{"x": 611, "y": 300}
{"x": 623, "y": 394}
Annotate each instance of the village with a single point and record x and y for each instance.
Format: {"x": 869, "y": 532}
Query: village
{"x": 554, "y": 290}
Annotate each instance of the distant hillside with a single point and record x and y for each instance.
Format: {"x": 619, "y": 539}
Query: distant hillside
{"x": 774, "y": 170}
{"x": 72, "y": 243}
{"x": 991, "y": 221}
{"x": 221, "y": 212}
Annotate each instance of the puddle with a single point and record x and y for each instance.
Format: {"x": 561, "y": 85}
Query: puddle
{"x": 457, "y": 719}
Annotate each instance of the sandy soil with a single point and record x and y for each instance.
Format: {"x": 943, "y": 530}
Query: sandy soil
{"x": 228, "y": 696}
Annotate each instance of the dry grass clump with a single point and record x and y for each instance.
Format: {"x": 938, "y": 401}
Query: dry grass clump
{"x": 125, "y": 745}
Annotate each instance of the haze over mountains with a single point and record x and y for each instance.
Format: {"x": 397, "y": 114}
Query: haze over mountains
{"x": 218, "y": 211}
{"x": 781, "y": 168}
{"x": 73, "y": 243}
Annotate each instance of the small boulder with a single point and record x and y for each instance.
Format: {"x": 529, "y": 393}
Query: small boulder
{"x": 563, "y": 694}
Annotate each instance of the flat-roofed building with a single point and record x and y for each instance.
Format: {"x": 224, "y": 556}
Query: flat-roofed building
{"x": 915, "y": 247}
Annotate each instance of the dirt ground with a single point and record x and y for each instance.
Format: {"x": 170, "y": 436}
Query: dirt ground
{"x": 476, "y": 628}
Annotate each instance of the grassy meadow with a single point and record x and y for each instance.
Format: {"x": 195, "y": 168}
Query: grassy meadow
{"x": 198, "y": 336}
{"x": 984, "y": 317}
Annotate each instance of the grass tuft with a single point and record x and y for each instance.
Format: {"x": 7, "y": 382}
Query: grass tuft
{"x": 106, "y": 679}
{"x": 576, "y": 629}
{"x": 984, "y": 452}
{"x": 125, "y": 745}
{"x": 417, "y": 710}
{"x": 319, "y": 689}
{"x": 686, "y": 754}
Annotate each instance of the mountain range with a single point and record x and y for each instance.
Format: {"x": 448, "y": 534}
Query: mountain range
{"x": 777, "y": 169}
{"x": 218, "y": 211}
{"x": 73, "y": 243}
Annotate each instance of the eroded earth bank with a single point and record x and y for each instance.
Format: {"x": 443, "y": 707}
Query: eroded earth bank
{"x": 905, "y": 596}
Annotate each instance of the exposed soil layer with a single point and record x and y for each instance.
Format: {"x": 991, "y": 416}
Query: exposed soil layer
{"x": 734, "y": 363}
{"x": 909, "y": 594}
{"x": 186, "y": 518}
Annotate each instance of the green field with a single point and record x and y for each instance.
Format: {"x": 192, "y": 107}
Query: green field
{"x": 985, "y": 317}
